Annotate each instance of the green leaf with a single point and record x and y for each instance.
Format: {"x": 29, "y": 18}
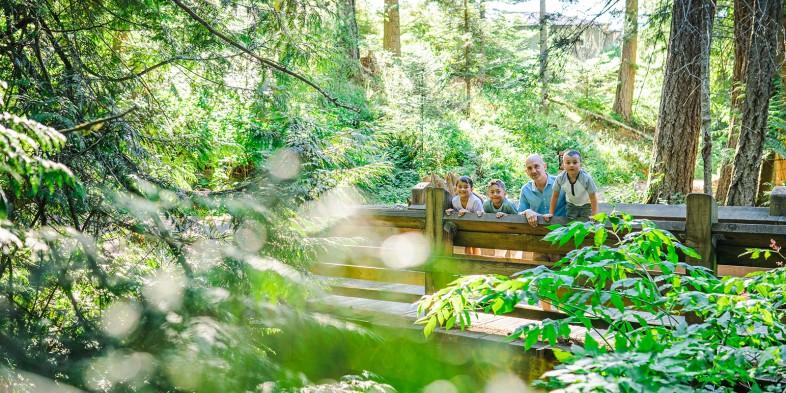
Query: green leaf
{"x": 562, "y": 356}
{"x": 498, "y": 303}
{"x": 616, "y": 300}
{"x": 590, "y": 345}
{"x": 532, "y": 337}
{"x": 600, "y": 237}
{"x": 430, "y": 326}
{"x": 450, "y": 322}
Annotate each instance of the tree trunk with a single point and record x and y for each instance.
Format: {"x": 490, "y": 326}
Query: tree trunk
{"x": 759, "y": 86}
{"x": 677, "y": 131}
{"x": 544, "y": 38}
{"x": 348, "y": 15}
{"x": 467, "y": 77}
{"x": 391, "y": 40}
{"x": 765, "y": 178}
{"x": 743, "y": 20}
{"x": 706, "y": 119}
{"x": 623, "y": 99}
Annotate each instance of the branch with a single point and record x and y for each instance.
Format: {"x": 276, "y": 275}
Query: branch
{"x": 266, "y": 62}
{"x": 97, "y": 121}
{"x": 131, "y": 76}
{"x": 603, "y": 118}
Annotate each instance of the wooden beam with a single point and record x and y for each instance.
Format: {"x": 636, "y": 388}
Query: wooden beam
{"x": 467, "y": 266}
{"x": 509, "y": 241}
{"x": 436, "y": 202}
{"x": 368, "y": 273}
{"x": 375, "y": 293}
{"x": 518, "y": 225}
{"x": 702, "y": 213}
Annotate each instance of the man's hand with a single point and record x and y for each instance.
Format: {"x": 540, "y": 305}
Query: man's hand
{"x": 501, "y": 214}
{"x": 448, "y": 211}
{"x": 547, "y": 217}
{"x": 531, "y": 216}
{"x": 462, "y": 212}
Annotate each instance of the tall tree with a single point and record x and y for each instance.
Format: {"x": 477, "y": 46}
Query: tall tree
{"x": 759, "y": 87}
{"x": 706, "y": 119}
{"x": 743, "y": 20}
{"x": 467, "y": 60}
{"x": 391, "y": 40}
{"x": 348, "y": 20}
{"x": 678, "y": 127}
{"x": 544, "y": 38}
{"x": 623, "y": 99}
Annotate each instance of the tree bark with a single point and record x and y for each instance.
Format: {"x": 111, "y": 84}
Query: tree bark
{"x": 623, "y": 99}
{"x": 743, "y": 20}
{"x": 759, "y": 87}
{"x": 765, "y": 178}
{"x": 544, "y": 38}
{"x": 347, "y": 13}
{"x": 677, "y": 131}
{"x": 467, "y": 60}
{"x": 706, "y": 119}
{"x": 391, "y": 40}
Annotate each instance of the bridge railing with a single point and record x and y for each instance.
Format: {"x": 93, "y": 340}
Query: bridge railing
{"x": 719, "y": 234}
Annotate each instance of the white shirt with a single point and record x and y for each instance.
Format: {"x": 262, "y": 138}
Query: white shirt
{"x": 474, "y": 204}
{"x": 576, "y": 193}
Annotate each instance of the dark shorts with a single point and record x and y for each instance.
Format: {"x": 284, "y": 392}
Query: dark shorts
{"x": 576, "y": 212}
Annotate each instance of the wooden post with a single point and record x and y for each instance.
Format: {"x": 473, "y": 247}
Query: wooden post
{"x": 437, "y": 200}
{"x": 702, "y": 212}
{"x": 418, "y": 198}
{"x": 778, "y": 201}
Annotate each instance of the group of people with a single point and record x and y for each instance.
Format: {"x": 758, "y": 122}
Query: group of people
{"x": 571, "y": 193}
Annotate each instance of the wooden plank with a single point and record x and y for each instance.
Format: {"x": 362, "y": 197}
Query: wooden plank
{"x": 507, "y": 241}
{"x": 518, "y": 224}
{"x": 366, "y": 230}
{"x": 464, "y": 266}
{"x": 369, "y": 273}
{"x": 436, "y": 200}
{"x": 702, "y": 212}
{"x": 648, "y": 211}
{"x": 755, "y": 229}
{"x": 402, "y": 218}
{"x": 374, "y": 290}
{"x": 738, "y": 271}
{"x": 419, "y": 194}
{"x": 748, "y": 215}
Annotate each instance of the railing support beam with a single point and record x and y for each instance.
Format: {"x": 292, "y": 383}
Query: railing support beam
{"x": 701, "y": 213}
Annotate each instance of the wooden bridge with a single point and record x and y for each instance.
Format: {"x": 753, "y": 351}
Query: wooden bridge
{"x": 366, "y": 285}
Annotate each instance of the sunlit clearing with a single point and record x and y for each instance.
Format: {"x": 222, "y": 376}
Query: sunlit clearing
{"x": 164, "y": 290}
{"x": 204, "y": 254}
{"x": 284, "y": 164}
{"x": 440, "y": 386}
{"x": 117, "y": 367}
{"x": 250, "y": 237}
{"x": 506, "y": 383}
{"x": 120, "y": 319}
{"x": 405, "y": 250}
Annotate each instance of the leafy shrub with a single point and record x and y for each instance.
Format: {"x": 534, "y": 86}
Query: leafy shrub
{"x": 668, "y": 324}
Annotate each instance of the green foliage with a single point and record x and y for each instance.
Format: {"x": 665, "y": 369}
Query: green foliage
{"x": 666, "y": 324}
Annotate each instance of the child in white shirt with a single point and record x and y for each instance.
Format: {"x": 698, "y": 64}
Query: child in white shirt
{"x": 466, "y": 200}
{"x": 579, "y": 187}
